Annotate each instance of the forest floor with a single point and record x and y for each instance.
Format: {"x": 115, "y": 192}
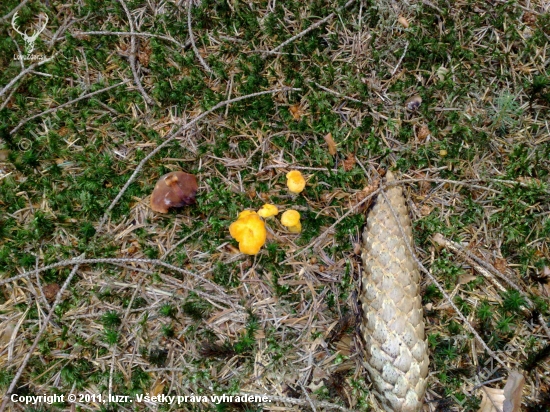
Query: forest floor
{"x": 101, "y": 295}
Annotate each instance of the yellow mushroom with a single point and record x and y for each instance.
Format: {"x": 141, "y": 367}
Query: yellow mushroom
{"x": 295, "y": 181}
{"x": 249, "y": 231}
{"x": 291, "y": 219}
{"x": 268, "y": 210}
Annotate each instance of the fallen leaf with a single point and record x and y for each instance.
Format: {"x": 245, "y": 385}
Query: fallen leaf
{"x": 344, "y": 345}
{"x": 512, "y": 392}
{"x": 529, "y": 18}
{"x": 423, "y": 133}
{"x": 158, "y": 387}
{"x": 50, "y": 291}
{"x": 492, "y": 400}
{"x": 144, "y": 54}
{"x": 331, "y": 144}
{"x": 5, "y": 336}
{"x": 349, "y": 163}
{"x": 296, "y": 111}
{"x": 464, "y": 279}
{"x": 507, "y": 399}
{"x": 500, "y": 264}
{"x": 425, "y": 210}
{"x": 318, "y": 378}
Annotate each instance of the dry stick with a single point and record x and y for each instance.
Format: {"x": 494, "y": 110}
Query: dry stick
{"x": 192, "y": 39}
{"x": 343, "y": 96}
{"x": 306, "y": 31}
{"x": 443, "y": 292}
{"x": 401, "y": 59}
{"x": 129, "y": 260}
{"x": 131, "y": 33}
{"x": 295, "y": 401}
{"x": 24, "y": 72}
{"x": 11, "y": 13}
{"x": 132, "y": 56}
{"x": 53, "y": 109}
{"x": 489, "y": 271}
{"x": 172, "y": 137}
{"x": 43, "y": 328}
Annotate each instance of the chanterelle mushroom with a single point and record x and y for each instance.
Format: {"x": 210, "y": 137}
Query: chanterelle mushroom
{"x": 295, "y": 181}
{"x": 174, "y": 189}
{"x": 291, "y": 219}
{"x": 249, "y": 231}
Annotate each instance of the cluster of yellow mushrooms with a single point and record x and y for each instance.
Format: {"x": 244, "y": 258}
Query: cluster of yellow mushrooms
{"x": 249, "y": 228}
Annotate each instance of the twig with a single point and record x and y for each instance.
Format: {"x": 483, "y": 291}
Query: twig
{"x": 443, "y": 292}
{"x": 24, "y": 72}
{"x": 132, "y": 56}
{"x": 489, "y": 271}
{"x": 306, "y": 31}
{"x": 43, "y": 328}
{"x": 433, "y": 6}
{"x": 343, "y": 96}
{"x": 53, "y": 109}
{"x": 401, "y": 59}
{"x": 11, "y": 13}
{"x": 172, "y": 136}
{"x": 192, "y": 40}
{"x": 131, "y": 33}
{"x": 129, "y": 260}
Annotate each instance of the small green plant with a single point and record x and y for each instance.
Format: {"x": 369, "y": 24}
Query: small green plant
{"x": 506, "y": 112}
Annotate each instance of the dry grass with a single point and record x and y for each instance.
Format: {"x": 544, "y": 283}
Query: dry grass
{"x": 165, "y": 303}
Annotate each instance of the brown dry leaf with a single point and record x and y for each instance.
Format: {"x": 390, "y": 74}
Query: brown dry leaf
{"x": 158, "y": 387}
{"x": 145, "y": 52}
{"x": 318, "y": 378}
{"x": 5, "y": 335}
{"x": 512, "y": 392}
{"x": 344, "y": 345}
{"x": 504, "y": 400}
{"x": 463, "y": 279}
{"x": 425, "y": 210}
{"x": 492, "y": 400}
{"x": 331, "y": 144}
{"x": 50, "y": 291}
{"x": 423, "y": 133}
{"x": 529, "y": 18}
{"x": 349, "y": 163}
{"x": 500, "y": 264}
{"x": 359, "y": 196}
{"x": 296, "y": 111}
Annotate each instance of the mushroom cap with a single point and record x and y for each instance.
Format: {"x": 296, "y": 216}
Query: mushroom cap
{"x": 295, "y": 181}
{"x": 174, "y": 189}
{"x": 268, "y": 210}
{"x": 290, "y": 218}
{"x": 295, "y": 229}
{"x": 249, "y": 231}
